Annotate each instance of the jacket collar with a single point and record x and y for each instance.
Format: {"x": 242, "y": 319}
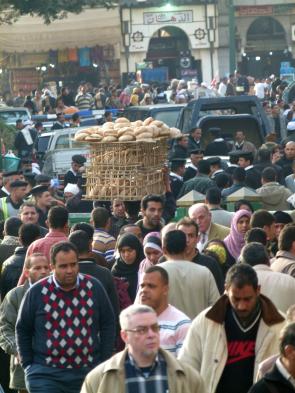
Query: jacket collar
{"x": 117, "y": 361}
{"x": 269, "y": 313}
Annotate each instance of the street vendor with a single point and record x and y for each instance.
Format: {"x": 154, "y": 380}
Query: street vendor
{"x": 74, "y": 175}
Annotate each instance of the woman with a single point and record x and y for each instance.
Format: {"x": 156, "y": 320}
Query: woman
{"x": 235, "y": 241}
{"x": 152, "y": 249}
{"x": 127, "y": 264}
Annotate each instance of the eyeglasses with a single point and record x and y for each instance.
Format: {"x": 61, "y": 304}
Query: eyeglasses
{"x": 144, "y": 329}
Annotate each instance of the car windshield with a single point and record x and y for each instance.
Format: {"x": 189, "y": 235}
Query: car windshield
{"x": 13, "y": 116}
{"x": 168, "y": 117}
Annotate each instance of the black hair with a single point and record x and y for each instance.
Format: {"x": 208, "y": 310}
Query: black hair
{"x": 28, "y": 233}
{"x": 83, "y": 226}
{"x": 213, "y": 196}
{"x": 287, "y": 337}
{"x": 256, "y": 235}
{"x": 241, "y": 202}
{"x": 174, "y": 242}
{"x": 57, "y": 217}
{"x": 11, "y": 226}
{"x": 62, "y": 247}
{"x": 287, "y": 237}
{"x": 264, "y": 154}
{"x": 269, "y": 174}
{"x": 158, "y": 269}
{"x": 222, "y": 180}
{"x": 151, "y": 198}
{"x": 261, "y": 218}
{"x": 81, "y": 240}
{"x": 203, "y": 167}
{"x": 240, "y": 275}
{"x": 100, "y": 217}
{"x": 239, "y": 175}
{"x": 254, "y": 254}
{"x": 175, "y": 165}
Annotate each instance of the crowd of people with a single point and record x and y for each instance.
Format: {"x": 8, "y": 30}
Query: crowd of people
{"x": 136, "y": 300}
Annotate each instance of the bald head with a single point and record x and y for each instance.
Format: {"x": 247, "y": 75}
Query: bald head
{"x": 290, "y": 150}
{"x": 200, "y": 213}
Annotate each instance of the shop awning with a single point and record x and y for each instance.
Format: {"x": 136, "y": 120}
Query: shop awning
{"x": 91, "y": 27}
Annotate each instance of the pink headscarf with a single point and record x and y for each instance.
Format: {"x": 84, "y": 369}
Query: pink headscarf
{"x": 235, "y": 241}
{"x": 146, "y": 263}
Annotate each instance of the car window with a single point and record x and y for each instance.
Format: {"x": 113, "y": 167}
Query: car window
{"x": 217, "y": 112}
{"x": 13, "y": 116}
{"x": 62, "y": 142}
{"x": 43, "y": 143}
{"x": 168, "y": 117}
{"x": 187, "y": 119}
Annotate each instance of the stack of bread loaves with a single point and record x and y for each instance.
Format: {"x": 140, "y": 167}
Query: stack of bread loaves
{"x": 123, "y": 130}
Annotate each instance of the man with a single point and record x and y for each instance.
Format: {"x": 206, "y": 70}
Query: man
{"x": 8, "y": 178}
{"x": 201, "y": 182}
{"x": 143, "y": 365}
{"x": 9, "y": 206}
{"x": 36, "y": 268}
{"x": 83, "y": 99}
{"x": 219, "y": 215}
{"x": 227, "y": 341}
{"x": 191, "y": 230}
{"x": 10, "y": 240}
{"x": 88, "y": 265}
{"x": 266, "y": 221}
{"x": 177, "y": 169}
{"x": 264, "y": 160}
{"x": 118, "y": 217}
{"x": 218, "y": 146}
{"x": 242, "y": 84}
{"x": 242, "y": 144}
{"x": 74, "y": 175}
{"x": 278, "y": 287}
{"x": 19, "y": 99}
{"x": 152, "y": 210}
{"x": 222, "y": 87}
{"x": 273, "y": 195}
{"x": 192, "y": 287}
{"x": 13, "y": 266}
{"x": 281, "y": 220}
{"x": 43, "y": 200}
{"x": 191, "y": 170}
{"x": 60, "y": 122}
{"x": 284, "y": 260}
{"x": 180, "y": 147}
{"x": 28, "y": 214}
{"x": 25, "y": 138}
{"x": 281, "y": 378}
{"x": 153, "y": 291}
{"x": 238, "y": 178}
{"x": 194, "y": 139}
{"x": 199, "y": 212}
{"x": 215, "y": 167}
{"x": 65, "y": 326}
{"x": 103, "y": 243}
{"x": 287, "y": 160}
{"x": 58, "y": 230}
{"x": 252, "y": 179}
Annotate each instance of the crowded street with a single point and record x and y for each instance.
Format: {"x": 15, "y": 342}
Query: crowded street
{"x": 147, "y": 195}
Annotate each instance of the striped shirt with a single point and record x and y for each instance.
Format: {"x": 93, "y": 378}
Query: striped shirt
{"x": 103, "y": 244}
{"x": 174, "y": 325}
{"x": 151, "y": 379}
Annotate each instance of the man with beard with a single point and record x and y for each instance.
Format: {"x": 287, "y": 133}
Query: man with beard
{"x": 152, "y": 210}
{"x": 227, "y": 341}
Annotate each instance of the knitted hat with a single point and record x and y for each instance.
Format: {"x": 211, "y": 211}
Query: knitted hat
{"x": 219, "y": 251}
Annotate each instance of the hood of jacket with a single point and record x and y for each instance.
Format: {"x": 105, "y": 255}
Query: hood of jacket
{"x": 273, "y": 193}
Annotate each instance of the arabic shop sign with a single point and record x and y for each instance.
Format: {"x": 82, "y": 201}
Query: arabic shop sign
{"x": 153, "y": 18}
{"x": 278, "y": 9}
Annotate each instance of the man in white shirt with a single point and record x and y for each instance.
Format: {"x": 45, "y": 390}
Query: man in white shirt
{"x": 222, "y": 87}
{"x": 259, "y": 88}
{"x": 174, "y": 324}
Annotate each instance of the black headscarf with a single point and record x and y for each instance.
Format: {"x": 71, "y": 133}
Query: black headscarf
{"x": 122, "y": 269}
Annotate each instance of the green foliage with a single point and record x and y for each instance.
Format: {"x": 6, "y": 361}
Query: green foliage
{"x": 49, "y": 10}
{"x": 7, "y": 135}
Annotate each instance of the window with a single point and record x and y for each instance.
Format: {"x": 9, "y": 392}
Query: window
{"x": 62, "y": 142}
